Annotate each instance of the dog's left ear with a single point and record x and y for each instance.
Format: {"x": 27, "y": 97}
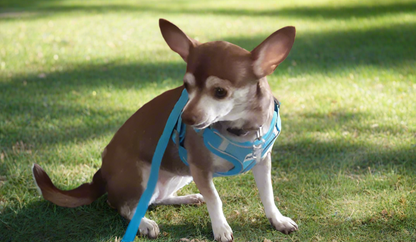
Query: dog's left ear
{"x": 177, "y": 40}
{"x": 272, "y": 51}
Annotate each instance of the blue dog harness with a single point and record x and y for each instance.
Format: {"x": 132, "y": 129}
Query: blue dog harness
{"x": 243, "y": 155}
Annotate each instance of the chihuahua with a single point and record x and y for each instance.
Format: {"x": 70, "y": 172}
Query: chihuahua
{"x": 228, "y": 91}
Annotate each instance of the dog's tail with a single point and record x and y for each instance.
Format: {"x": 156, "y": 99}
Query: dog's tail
{"x": 82, "y": 195}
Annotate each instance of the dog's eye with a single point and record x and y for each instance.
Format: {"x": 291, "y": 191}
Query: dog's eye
{"x": 220, "y": 92}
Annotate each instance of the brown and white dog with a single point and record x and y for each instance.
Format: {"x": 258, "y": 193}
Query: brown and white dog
{"x": 227, "y": 89}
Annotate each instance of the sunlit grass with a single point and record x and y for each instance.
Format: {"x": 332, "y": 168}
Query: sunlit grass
{"x": 71, "y": 72}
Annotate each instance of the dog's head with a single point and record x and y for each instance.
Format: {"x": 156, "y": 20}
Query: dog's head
{"x": 224, "y": 80}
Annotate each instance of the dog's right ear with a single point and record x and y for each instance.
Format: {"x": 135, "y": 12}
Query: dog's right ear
{"x": 177, "y": 40}
{"x": 272, "y": 51}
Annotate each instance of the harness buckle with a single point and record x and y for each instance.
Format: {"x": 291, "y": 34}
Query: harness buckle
{"x": 258, "y": 149}
{"x": 259, "y": 133}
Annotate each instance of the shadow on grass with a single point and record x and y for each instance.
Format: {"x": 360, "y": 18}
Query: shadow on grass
{"x": 38, "y": 107}
{"x": 353, "y": 151}
{"x": 49, "y": 100}
{"x": 382, "y": 229}
{"x": 343, "y": 154}
{"x": 327, "y": 12}
{"x": 16, "y": 9}
{"x": 43, "y": 221}
{"x": 331, "y": 52}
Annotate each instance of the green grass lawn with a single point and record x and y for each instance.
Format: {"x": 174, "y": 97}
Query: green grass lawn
{"x": 344, "y": 167}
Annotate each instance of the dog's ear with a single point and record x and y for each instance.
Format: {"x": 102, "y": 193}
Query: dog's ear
{"x": 272, "y": 51}
{"x": 177, "y": 40}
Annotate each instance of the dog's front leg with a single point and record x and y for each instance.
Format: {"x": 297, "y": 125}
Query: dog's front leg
{"x": 262, "y": 175}
{"x": 203, "y": 180}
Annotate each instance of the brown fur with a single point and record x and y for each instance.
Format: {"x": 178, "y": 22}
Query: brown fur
{"x": 225, "y": 60}
{"x": 131, "y": 145}
{"x": 83, "y": 195}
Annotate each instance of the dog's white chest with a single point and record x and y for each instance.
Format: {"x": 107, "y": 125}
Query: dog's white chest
{"x": 220, "y": 164}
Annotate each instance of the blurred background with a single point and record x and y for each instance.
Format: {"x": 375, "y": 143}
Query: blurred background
{"x": 344, "y": 167}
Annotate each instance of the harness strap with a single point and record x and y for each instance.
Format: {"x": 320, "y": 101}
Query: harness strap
{"x": 243, "y": 155}
{"x": 240, "y": 154}
{"x": 154, "y": 170}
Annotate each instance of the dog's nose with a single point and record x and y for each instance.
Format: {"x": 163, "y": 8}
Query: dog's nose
{"x": 188, "y": 118}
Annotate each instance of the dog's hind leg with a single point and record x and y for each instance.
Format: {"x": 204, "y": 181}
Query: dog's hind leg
{"x": 124, "y": 191}
{"x": 167, "y": 186}
{"x": 168, "y": 195}
{"x": 147, "y": 226}
{"x": 177, "y": 200}
{"x": 125, "y": 199}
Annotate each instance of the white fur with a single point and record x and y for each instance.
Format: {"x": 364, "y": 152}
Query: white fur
{"x": 220, "y": 164}
{"x": 231, "y": 108}
{"x": 258, "y": 70}
{"x": 213, "y": 110}
{"x": 167, "y": 184}
{"x": 213, "y": 81}
{"x": 37, "y": 186}
{"x": 127, "y": 212}
{"x": 190, "y": 79}
{"x": 228, "y": 109}
{"x": 222, "y": 231}
{"x": 239, "y": 109}
{"x": 147, "y": 227}
{"x": 262, "y": 175}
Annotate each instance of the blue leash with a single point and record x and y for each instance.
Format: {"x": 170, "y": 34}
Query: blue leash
{"x": 154, "y": 169}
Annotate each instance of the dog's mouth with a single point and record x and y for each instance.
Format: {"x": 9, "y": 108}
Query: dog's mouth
{"x": 201, "y": 126}
{"x": 205, "y": 124}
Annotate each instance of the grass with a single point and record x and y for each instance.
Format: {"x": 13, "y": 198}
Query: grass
{"x": 344, "y": 168}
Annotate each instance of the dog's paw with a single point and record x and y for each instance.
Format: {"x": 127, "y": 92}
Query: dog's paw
{"x": 223, "y": 233}
{"x": 149, "y": 228}
{"x": 195, "y": 199}
{"x": 283, "y": 224}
